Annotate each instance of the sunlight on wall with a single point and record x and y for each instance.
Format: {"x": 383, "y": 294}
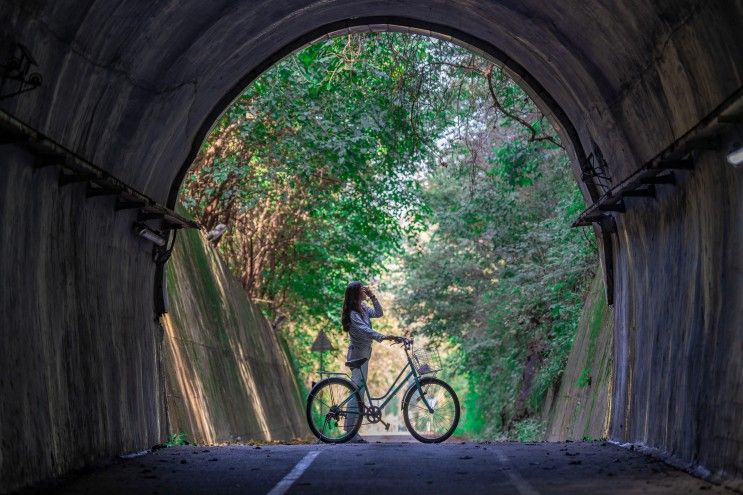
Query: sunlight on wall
{"x": 249, "y": 385}
{"x": 237, "y": 350}
{"x": 190, "y": 386}
{"x": 227, "y": 377}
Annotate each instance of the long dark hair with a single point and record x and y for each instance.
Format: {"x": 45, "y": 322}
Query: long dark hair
{"x": 351, "y": 302}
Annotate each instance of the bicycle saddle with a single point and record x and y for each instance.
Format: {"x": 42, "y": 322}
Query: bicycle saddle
{"x": 356, "y": 363}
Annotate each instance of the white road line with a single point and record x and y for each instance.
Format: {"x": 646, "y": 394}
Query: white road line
{"x": 288, "y": 480}
{"x": 522, "y": 486}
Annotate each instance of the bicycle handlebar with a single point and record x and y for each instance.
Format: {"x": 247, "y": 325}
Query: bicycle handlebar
{"x": 406, "y": 342}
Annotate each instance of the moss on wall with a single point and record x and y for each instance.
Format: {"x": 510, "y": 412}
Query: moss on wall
{"x": 228, "y": 377}
{"x": 579, "y": 408}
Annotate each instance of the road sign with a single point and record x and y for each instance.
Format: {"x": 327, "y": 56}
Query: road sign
{"x": 322, "y": 343}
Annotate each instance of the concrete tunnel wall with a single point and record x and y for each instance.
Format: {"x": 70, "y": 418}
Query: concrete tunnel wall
{"x": 134, "y": 88}
{"x": 679, "y": 320}
{"x": 79, "y": 344}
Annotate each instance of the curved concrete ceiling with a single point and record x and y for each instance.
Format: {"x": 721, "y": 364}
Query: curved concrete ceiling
{"x": 135, "y": 86}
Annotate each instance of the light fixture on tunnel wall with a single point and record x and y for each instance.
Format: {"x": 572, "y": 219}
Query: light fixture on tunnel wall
{"x": 149, "y": 234}
{"x": 735, "y": 157}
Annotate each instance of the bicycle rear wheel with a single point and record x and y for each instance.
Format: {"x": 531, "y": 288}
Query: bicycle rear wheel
{"x": 427, "y": 426}
{"x": 331, "y": 420}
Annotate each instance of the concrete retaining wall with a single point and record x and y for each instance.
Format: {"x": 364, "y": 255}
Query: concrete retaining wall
{"x": 579, "y": 408}
{"x": 228, "y": 377}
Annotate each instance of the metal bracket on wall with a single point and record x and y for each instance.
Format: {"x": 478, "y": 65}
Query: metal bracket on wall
{"x": 17, "y": 73}
{"x": 662, "y": 170}
{"x": 77, "y": 170}
{"x": 123, "y": 202}
{"x": 43, "y": 161}
{"x": 95, "y": 189}
{"x": 647, "y": 192}
{"x": 67, "y": 178}
{"x": 145, "y": 215}
{"x": 707, "y": 134}
{"x": 640, "y": 184}
{"x": 598, "y": 172}
{"x": 665, "y": 179}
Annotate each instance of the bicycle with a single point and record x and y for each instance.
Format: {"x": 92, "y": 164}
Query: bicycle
{"x": 336, "y": 407}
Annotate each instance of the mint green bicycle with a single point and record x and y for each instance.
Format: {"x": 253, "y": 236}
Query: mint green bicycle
{"x": 336, "y": 406}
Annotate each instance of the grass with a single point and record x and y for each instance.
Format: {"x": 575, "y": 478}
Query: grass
{"x": 177, "y": 439}
{"x": 530, "y": 430}
{"x": 585, "y": 378}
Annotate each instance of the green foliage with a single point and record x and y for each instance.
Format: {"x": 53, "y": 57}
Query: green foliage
{"x": 596, "y": 318}
{"x": 315, "y": 169}
{"x": 585, "y": 378}
{"x": 529, "y": 430}
{"x": 177, "y": 439}
{"x": 363, "y": 152}
{"x": 598, "y": 312}
{"x": 501, "y": 274}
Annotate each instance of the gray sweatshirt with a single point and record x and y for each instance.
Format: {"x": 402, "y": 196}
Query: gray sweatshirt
{"x": 361, "y": 332}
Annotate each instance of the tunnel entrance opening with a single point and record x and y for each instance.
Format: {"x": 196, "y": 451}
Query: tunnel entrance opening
{"x": 220, "y": 188}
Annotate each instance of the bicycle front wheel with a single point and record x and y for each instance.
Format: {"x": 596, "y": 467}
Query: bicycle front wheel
{"x": 436, "y": 424}
{"x": 334, "y": 410}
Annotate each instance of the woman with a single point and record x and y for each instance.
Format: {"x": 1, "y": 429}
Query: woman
{"x": 356, "y": 320}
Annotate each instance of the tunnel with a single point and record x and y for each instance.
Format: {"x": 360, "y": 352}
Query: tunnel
{"x": 103, "y": 107}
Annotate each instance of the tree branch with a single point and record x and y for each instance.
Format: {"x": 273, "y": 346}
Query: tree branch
{"x": 534, "y": 135}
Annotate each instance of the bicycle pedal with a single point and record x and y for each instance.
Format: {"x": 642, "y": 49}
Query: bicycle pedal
{"x": 386, "y": 425}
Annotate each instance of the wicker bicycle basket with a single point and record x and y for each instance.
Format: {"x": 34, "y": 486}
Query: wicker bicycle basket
{"x": 426, "y": 361}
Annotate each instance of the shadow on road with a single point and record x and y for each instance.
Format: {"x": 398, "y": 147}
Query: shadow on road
{"x": 395, "y": 465}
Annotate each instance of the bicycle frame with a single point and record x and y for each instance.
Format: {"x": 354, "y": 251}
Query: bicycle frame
{"x": 394, "y": 388}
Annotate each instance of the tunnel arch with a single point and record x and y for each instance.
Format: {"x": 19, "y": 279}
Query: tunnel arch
{"x": 135, "y": 72}
{"x": 543, "y": 100}
{"x": 132, "y": 89}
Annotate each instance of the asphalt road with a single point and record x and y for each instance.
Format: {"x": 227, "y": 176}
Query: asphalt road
{"x": 388, "y": 468}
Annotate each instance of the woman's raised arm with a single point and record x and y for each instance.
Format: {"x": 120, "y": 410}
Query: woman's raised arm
{"x": 376, "y": 311}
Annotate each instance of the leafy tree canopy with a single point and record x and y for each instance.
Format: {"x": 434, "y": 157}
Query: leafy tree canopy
{"x": 363, "y": 152}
